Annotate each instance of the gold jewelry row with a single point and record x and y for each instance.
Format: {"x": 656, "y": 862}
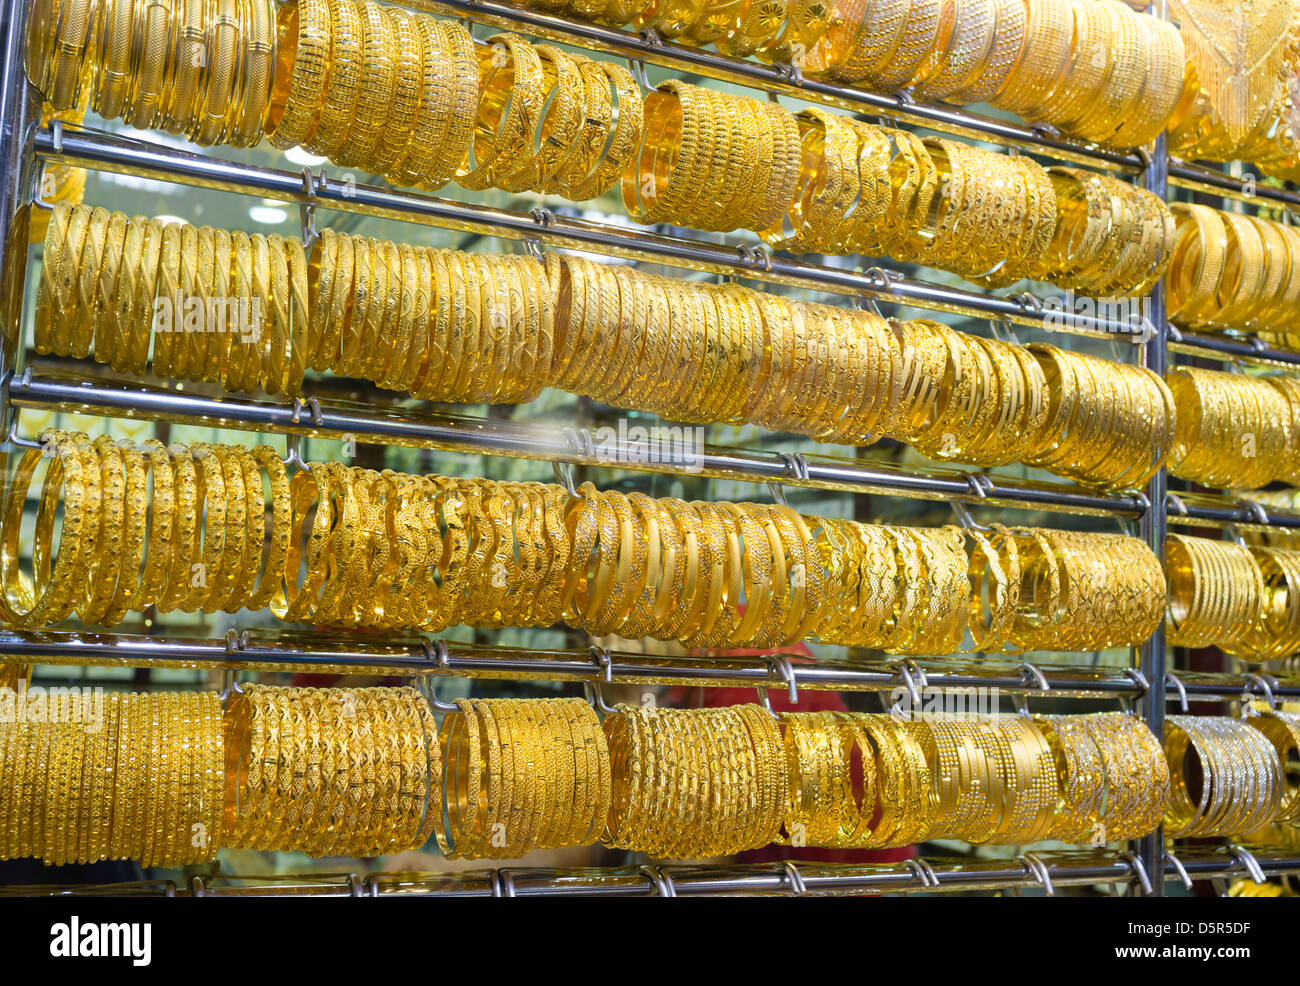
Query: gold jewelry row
{"x": 1233, "y": 271}
{"x": 1241, "y": 780}
{"x": 348, "y": 546}
{"x": 1234, "y": 430}
{"x": 89, "y": 777}
{"x": 414, "y": 98}
{"x": 330, "y": 771}
{"x": 1095, "y": 70}
{"x": 1241, "y": 598}
{"x": 199, "y": 69}
{"x": 250, "y": 312}
{"x": 363, "y": 772}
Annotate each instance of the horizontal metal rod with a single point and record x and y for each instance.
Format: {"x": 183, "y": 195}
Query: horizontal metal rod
{"x": 553, "y": 444}
{"x": 781, "y": 80}
{"x": 1080, "y": 868}
{"x": 301, "y": 652}
{"x": 408, "y": 655}
{"x": 106, "y": 152}
{"x": 1255, "y": 192}
{"x": 1230, "y": 349}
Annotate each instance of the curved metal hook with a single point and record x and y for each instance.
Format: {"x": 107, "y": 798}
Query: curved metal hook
{"x": 504, "y": 885}
{"x": 1178, "y": 868}
{"x": 604, "y": 660}
{"x": 1039, "y": 870}
{"x": 1248, "y": 860}
{"x": 795, "y": 464}
{"x": 596, "y": 698}
{"x": 436, "y": 652}
{"x": 1173, "y": 679}
{"x": 659, "y": 880}
{"x": 923, "y": 871}
{"x": 1264, "y": 687}
{"x": 790, "y": 874}
{"x": 1138, "y": 870}
{"x": 782, "y": 666}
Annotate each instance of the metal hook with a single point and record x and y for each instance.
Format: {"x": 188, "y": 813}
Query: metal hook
{"x": 564, "y": 476}
{"x": 436, "y": 651}
{"x": 659, "y": 880}
{"x": 765, "y": 701}
{"x": 1173, "y": 679}
{"x": 1178, "y": 868}
{"x": 778, "y": 494}
{"x": 543, "y": 216}
{"x": 196, "y": 887}
{"x": 19, "y": 442}
{"x": 1138, "y": 870}
{"x": 755, "y": 256}
{"x": 782, "y": 666}
{"x": 356, "y": 886}
{"x": 637, "y": 68}
{"x": 1032, "y": 677}
{"x": 923, "y": 871}
{"x": 603, "y": 660}
{"x": 1038, "y": 870}
{"x": 796, "y": 465}
{"x": 307, "y": 210}
{"x": 963, "y": 516}
{"x": 1144, "y": 686}
{"x": 1247, "y": 859}
{"x": 1264, "y": 687}
{"x": 1256, "y": 510}
{"x": 885, "y": 277}
{"x": 596, "y": 698}
{"x": 790, "y": 874}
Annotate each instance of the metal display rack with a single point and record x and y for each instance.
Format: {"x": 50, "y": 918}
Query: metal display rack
{"x": 25, "y": 146}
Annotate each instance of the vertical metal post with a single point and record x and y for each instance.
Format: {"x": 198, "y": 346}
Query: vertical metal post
{"x": 1154, "y": 523}
{"x": 20, "y": 114}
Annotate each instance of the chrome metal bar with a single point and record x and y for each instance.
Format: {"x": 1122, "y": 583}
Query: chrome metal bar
{"x": 1074, "y": 868}
{"x": 294, "y": 651}
{"x": 781, "y": 80}
{"x": 20, "y": 115}
{"x": 551, "y": 444}
{"x": 1201, "y": 179}
{"x": 1249, "y": 348}
{"x": 1154, "y": 528}
{"x": 106, "y": 152}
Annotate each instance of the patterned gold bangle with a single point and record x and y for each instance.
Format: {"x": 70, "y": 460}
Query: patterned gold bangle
{"x": 304, "y": 39}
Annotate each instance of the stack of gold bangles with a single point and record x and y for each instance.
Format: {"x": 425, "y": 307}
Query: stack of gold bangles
{"x": 252, "y": 312}
{"x": 1233, "y": 271}
{"x": 376, "y": 88}
{"x": 1216, "y": 592}
{"x": 1234, "y": 430}
{"x": 198, "y": 69}
{"x": 1242, "y": 785}
{"x": 414, "y": 99}
{"x": 713, "y": 160}
{"x": 197, "y": 303}
{"x": 330, "y": 771}
{"x": 117, "y": 776}
{"x": 1112, "y": 238}
{"x": 877, "y": 191}
{"x": 348, "y": 546}
{"x": 737, "y": 791}
{"x": 1095, "y": 70}
{"x": 522, "y": 774}
{"x": 166, "y": 779}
